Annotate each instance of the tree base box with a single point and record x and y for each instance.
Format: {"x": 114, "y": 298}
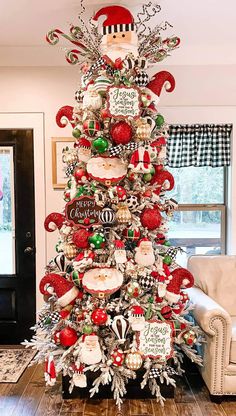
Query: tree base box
{"x": 134, "y": 390}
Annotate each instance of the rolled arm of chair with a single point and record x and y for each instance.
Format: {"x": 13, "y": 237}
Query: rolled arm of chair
{"x": 207, "y": 312}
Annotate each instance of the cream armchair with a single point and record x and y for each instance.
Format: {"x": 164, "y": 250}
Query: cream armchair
{"x": 214, "y": 296}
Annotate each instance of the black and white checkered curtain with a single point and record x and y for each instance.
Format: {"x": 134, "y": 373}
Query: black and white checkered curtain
{"x": 199, "y": 145}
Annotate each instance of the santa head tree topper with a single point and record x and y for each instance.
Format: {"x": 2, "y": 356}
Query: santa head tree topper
{"x": 118, "y": 32}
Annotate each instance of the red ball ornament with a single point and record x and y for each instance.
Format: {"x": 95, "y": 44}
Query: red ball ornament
{"x": 121, "y": 132}
{"x": 99, "y": 316}
{"x": 117, "y": 357}
{"x": 68, "y": 336}
{"x": 166, "y": 312}
{"x": 80, "y": 238}
{"x": 80, "y": 175}
{"x": 150, "y": 218}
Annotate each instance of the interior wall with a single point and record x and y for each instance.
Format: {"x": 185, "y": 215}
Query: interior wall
{"x": 46, "y": 89}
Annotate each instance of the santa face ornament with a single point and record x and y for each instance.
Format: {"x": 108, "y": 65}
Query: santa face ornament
{"x": 106, "y": 170}
{"x": 144, "y": 255}
{"x": 90, "y": 352}
{"x": 102, "y": 281}
{"x": 118, "y": 32}
{"x": 92, "y": 99}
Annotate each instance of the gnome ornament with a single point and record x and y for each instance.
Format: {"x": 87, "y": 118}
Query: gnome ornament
{"x": 55, "y": 284}
{"x": 160, "y": 146}
{"x": 144, "y": 255}
{"x": 90, "y": 350}
{"x": 120, "y": 253}
{"x": 83, "y": 149}
{"x": 181, "y": 279}
{"x": 118, "y": 32}
{"x": 137, "y": 319}
{"x": 156, "y": 84}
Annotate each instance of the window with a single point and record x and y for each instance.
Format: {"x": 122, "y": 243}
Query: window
{"x": 198, "y": 227}
{"x": 200, "y": 172}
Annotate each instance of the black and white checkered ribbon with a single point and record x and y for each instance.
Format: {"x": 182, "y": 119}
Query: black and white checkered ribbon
{"x": 157, "y": 372}
{"x": 117, "y": 150}
{"x": 50, "y": 318}
{"x": 199, "y": 145}
{"x": 100, "y": 62}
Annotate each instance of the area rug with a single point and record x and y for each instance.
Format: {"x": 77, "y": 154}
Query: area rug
{"x": 13, "y": 363}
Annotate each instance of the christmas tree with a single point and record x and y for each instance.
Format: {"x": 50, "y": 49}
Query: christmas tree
{"x": 115, "y": 303}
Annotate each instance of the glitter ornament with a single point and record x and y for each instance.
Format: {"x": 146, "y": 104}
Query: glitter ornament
{"x": 76, "y": 133}
{"x": 99, "y": 316}
{"x": 117, "y": 357}
{"x": 166, "y": 312}
{"x": 80, "y": 175}
{"x": 133, "y": 360}
{"x": 159, "y": 121}
{"x": 80, "y": 238}
{"x": 121, "y": 132}
{"x": 150, "y": 218}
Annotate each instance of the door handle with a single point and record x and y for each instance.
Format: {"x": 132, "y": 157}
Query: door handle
{"x": 29, "y": 250}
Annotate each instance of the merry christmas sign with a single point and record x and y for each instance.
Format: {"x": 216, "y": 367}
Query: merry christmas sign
{"x": 155, "y": 340}
{"x": 124, "y": 102}
{"x": 83, "y": 211}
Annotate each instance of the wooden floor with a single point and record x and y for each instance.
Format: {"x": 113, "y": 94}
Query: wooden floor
{"x": 30, "y": 397}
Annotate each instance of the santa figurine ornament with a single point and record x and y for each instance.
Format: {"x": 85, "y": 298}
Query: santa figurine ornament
{"x": 137, "y": 319}
{"x": 144, "y": 255}
{"x": 119, "y": 37}
{"x": 90, "y": 350}
{"x": 120, "y": 253}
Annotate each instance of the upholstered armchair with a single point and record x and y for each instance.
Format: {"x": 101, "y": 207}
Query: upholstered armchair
{"x": 214, "y": 296}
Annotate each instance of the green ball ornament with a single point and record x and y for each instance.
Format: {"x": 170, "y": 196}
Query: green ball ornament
{"x": 147, "y": 177}
{"x": 167, "y": 260}
{"x": 167, "y": 244}
{"x": 159, "y": 120}
{"x": 87, "y": 329}
{"x": 100, "y": 144}
{"x": 97, "y": 240}
{"x": 76, "y": 133}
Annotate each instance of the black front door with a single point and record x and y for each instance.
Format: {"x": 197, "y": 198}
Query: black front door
{"x": 17, "y": 236}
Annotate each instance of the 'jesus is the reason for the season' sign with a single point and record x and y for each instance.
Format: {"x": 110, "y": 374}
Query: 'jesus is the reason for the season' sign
{"x": 82, "y": 211}
{"x": 124, "y": 102}
{"x": 155, "y": 340}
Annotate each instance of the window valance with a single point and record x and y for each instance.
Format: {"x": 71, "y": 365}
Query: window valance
{"x": 199, "y": 145}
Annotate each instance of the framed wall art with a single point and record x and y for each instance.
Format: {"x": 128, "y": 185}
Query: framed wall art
{"x": 58, "y": 175}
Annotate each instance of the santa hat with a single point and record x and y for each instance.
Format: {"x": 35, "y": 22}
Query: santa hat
{"x": 144, "y": 242}
{"x": 157, "y": 82}
{"x": 89, "y": 335}
{"x": 119, "y": 245}
{"x": 85, "y": 143}
{"x": 181, "y": 279}
{"x": 54, "y": 283}
{"x": 137, "y": 311}
{"x": 119, "y": 19}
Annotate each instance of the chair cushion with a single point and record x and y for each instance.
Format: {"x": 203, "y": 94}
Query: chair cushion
{"x": 232, "y": 354}
{"x": 216, "y": 276}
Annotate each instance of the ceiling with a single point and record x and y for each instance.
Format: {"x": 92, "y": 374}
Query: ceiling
{"x": 206, "y": 27}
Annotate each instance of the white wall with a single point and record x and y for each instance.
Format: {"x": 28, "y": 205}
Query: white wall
{"x": 46, "y": 89}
